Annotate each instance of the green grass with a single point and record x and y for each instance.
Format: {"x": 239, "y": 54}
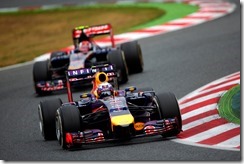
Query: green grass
{"x": 172, "y": 11}
{"x": 229, "y": 105}
{"x": 29, "y": 34}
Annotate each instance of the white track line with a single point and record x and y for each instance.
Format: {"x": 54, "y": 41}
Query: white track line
{"x": 219, "y": 127}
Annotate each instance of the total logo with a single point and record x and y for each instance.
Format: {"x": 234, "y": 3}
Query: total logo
{"x": 139, "y": 126}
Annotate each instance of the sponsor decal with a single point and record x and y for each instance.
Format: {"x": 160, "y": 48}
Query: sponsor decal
{"x": 102, "y": 29}
{"x": 76, "y": 33}
{"x": 97, "y": 28}
{"x": 78, "y": 72}
{"x": 139, "y": 126}
{"x": 84, "y": 96}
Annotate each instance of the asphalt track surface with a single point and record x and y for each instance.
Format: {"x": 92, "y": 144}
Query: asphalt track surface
{"x": 179, "y": 61}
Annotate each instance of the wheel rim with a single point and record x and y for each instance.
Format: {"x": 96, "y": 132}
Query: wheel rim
{"x": 140, "y": 58}
{"x": 119, "y": 74}
{"x": 41, "y": 125}
{"x": 125, "y": 64}
{"x": 158, "y": 108}
{"x": 59, "y": 129}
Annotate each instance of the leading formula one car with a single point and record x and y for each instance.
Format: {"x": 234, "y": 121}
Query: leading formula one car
{"x": 49, "y": 75}
{"x": 107, "y": 113}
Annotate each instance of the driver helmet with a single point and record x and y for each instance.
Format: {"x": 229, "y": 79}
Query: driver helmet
{"x": 85, "y": 46}
{"x": 104, "y": 90}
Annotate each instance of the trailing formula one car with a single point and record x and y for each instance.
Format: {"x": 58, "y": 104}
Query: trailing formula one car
{"x": 49, "y": 75}
{"x": 107, "y": 113}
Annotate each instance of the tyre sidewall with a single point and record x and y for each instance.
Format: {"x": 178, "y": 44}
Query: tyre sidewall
{"x": 133, "y": 56}
{"x": 47, "y": 111}
{"x": 117, "y": 58}
{"x": 68, "y": 118}
{"x": 169, "y": 108}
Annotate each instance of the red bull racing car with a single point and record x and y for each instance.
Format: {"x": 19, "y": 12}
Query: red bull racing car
{"x": 49, "y": 75}
{"x": 107, "y": 113}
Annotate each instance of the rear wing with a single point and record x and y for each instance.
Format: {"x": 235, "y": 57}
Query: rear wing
{"x": 87, "y": 32}
{"x": 87, "y": 74}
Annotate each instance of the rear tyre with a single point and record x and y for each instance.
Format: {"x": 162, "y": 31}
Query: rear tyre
{"x": 67, "y": 120}
{"x": 41, "y": 73}
{"x": 169, "y": 108}
{"x": 47, "y": 111}
{"x": 133, "y": 56}
{"x": 117, "y": 57}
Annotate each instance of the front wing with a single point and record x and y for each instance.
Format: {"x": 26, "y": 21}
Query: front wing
{"x": 151, "y": 128}
{"x": 60, "y": 84}
{"x": 51, "y": 85}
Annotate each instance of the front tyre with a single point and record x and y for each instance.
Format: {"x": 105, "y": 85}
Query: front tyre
{"x": 169, "y": 108}
{"x": 41, "y": 73}
{"x": 67, "y": 120}
{"x": 47, "y": 111}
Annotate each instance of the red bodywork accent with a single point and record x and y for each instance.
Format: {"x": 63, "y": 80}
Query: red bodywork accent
{"x": 70, "y": 97}
{"x": 68, "y": 138}
{"x": 76, "y": 33}
{"x": 98, "y": 109}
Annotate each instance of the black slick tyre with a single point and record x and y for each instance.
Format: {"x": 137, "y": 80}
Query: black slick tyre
{"x": 117, "y": 58}
{"x": 169, "y": 108}
{"x": 47, "y": 111}
{"x": 133, "y": 56}
{"x": 67, "y": 120}
{"x": 41, "y": 73}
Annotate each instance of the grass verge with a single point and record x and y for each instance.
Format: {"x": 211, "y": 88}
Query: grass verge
{"x": 28, "y": 34}
{"x": 229, "y": 105}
